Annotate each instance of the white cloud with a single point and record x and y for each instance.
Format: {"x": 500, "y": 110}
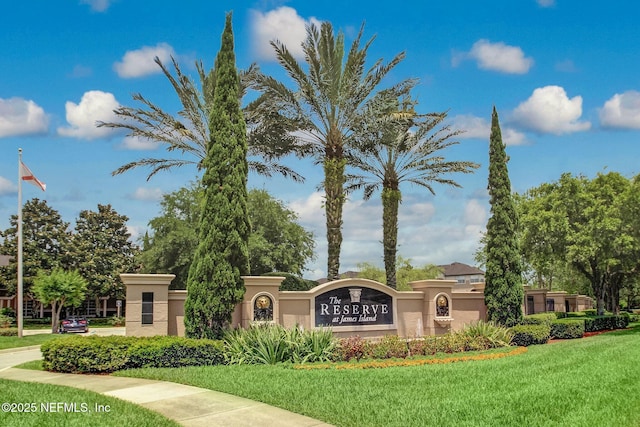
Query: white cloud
{"x": 496, "y": 57}
{"x": 138, "y": 63}
{"x": 283, "y": 24}
{"x": 549, "y": 110}
{"x": 21, "y": 117}
{"x": 479, "y": 128}
{"x": 7, "y": 187}
{"x": 475, "y": 213}
{"x": 621, "y": 111}
{"x": 97, "y": 5}
{"x": 147, "y": 194}
{"x": 140, "y": 144}
{"x": 94, "y": 106}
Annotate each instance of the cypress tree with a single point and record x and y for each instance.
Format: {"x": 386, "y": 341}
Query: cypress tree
{"x": 215, "y": 285}
{"x": 503, "y": 291}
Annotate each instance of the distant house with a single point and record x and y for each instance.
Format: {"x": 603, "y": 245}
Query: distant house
{"x": 464, "y": 275}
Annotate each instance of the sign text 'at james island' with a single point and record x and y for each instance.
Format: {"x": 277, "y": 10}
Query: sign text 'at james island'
{"x": 353, "y": 306}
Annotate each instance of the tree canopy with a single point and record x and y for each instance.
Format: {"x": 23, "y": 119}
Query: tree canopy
{"x": 59, "y": 288}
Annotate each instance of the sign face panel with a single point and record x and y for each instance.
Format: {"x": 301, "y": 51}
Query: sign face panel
{"x": 354, "y": 305}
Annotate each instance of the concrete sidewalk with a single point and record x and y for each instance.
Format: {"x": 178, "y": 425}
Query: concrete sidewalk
{"x": 189, "y": 406}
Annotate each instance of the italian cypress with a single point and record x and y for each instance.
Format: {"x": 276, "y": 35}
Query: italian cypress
{"x": 503, "y": 290}
{"x": 215, "y": 285}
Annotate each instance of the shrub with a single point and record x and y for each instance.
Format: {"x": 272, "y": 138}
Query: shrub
{"x": 351, "y": 348}
{"x": 390, "y": 346}
{"x": 526, "y": 335}
{"x": 292, "y": 282}
{"x": 451, "y": 343}
{"x": 590, "y": 312}
{"x": 270, "y": 344}
{"x": 560, "y": 314}
{"x": 539, "y": 319}
{"x": 9, "y": 332}
{"x": 96, "y": 354}
{"x": 576, "y": 314}
{"x": 117, "y": 321}
{"x": 601, "y": 323}
{"x": 567, "y": 329}
{"x": 484, "y": 335}
{"x": 5, "y": 321}
{"x": 8, "y": 311}
{"x": 417, "y": 347}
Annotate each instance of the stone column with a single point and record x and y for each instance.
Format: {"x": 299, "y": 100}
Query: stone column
{"x": 136, "y": 285}
{"x": 257, "y": 286}
{"x": 432, "y": 289}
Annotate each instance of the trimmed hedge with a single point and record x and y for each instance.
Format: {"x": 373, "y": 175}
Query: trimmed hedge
{"x": 96, "y": 354}
{"x": 526, "y": 335}
{"x": 539, "y": 319}
{"x": 601, "y": 323}
{"x": 8, "y": 332}
{"x": 567, "y": 329}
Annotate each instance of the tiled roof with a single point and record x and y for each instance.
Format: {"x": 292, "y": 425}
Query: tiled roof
{"x": 459, "y": 269}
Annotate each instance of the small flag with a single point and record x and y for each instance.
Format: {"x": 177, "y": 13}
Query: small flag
{"x": 27, "y": 175}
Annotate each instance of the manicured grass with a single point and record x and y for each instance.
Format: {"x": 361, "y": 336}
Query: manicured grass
{"x": 584, "y": 382}
{"x": 39, "y": 397}
{"x": 26, "y": 340}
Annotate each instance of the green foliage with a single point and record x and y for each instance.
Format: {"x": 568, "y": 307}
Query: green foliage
{"x": 354, "y": 347}
{"x": 102, "y": 251}
{"x": 96, "y": 354}
{"x": 601, "y": 323}
{"x": 539, "y": 319}
{"x": 398, "y": 146}
{"x": 405, "y": 273}
{"x": 46, "y": 244}
{"x": 215, "y": 285}
{"x": 5, "y": 321}
{"x": 270, "y": 344}
{"x": 503, "y": 292}
{"x": 8, "y": 311}
{"x": 328, "y": 102}
{"x": 567, "y": 328}
{"x": 8, "y": 332}
{"x": 117, "y": 321}
{"x": 59, "y": 288}
{"x": 526, "y": 335}
{"x": 484, "y": 335}
{"x": 590, "y": 312}
{"x": 389, "y": 346}
{"x": 277, "y": 242}
{"x": 292, "y": 282}
{"x": 276, "y": 239}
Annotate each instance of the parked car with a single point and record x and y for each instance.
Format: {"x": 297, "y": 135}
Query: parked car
{"x": 74, "y": 324}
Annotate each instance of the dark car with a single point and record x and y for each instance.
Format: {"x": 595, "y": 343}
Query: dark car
{"x": 74, "y": 324}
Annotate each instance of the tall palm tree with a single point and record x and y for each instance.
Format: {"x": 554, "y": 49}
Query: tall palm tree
{"x": 329, "y": 98}
{"x": 407, "y": 148}
{"x": 188, "y": 131}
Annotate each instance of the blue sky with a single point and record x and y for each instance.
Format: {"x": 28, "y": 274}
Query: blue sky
{"x": 562, "y": 74}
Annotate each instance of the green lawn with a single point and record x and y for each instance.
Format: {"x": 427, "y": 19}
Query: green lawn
{"x": 26, "y": 340}
{"x": 586, "y": 382}
{"x": 41, "y": 399}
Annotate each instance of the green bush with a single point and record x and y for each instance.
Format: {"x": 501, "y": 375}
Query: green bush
{"x": 602, "y": 323}
{"x": 5, "y": 321}
{"x": 576, "y": 314}
{"x": 590, "y": 312}
{"x": 390, "y": 346}
{"x": 8, "y": 311}
{"x": 539, "y": 319}
{"x": 292, "y": 282}
{"x": 560, "y": 314}
{"x": 9, "y": 332}
{"x": 526, "y": 335}
{"x": 117, "y": 321}
{"x": 96, "y": 354}
{"x": 567, "y": 329}
{"x": 485, "y": 335}
{"x": 270, "y": 344}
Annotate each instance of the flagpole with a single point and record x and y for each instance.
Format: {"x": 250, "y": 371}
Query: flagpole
{"x": 20, "y": 302}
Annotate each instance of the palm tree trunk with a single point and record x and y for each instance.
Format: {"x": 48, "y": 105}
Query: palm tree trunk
{"x": 334, "y": 200}
{"x": 390, "y": 203}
